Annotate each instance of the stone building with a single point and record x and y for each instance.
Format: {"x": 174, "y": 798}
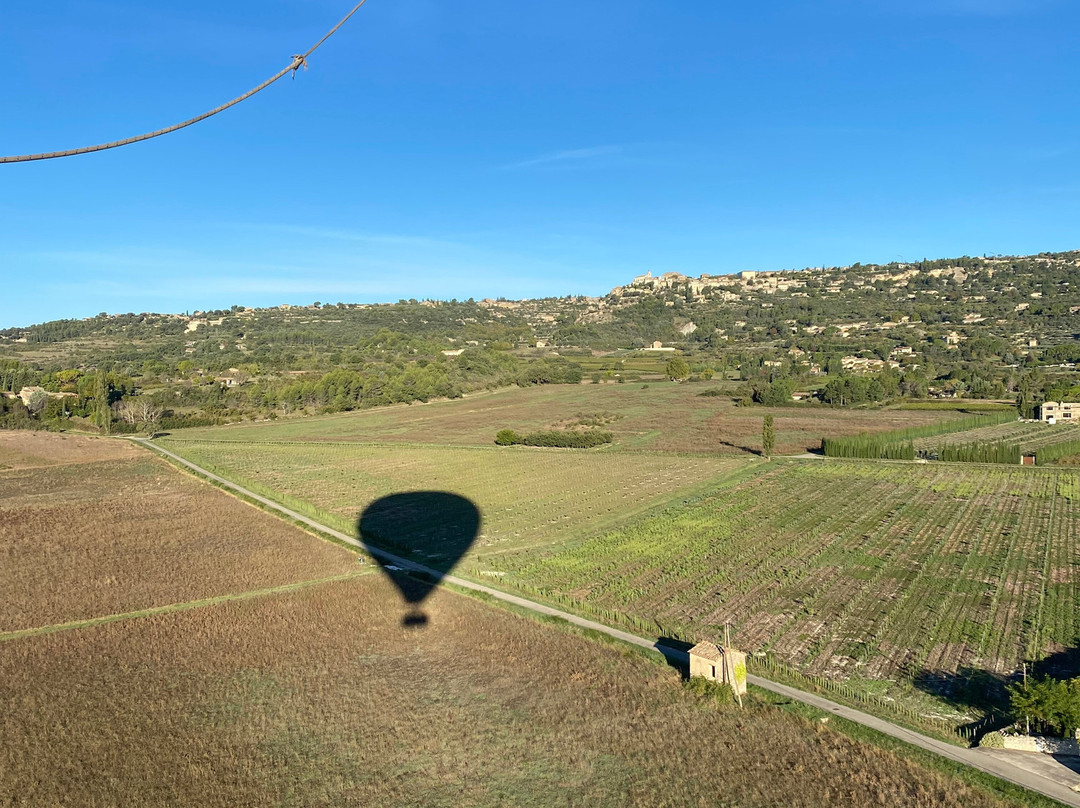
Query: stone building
{"x": 719, "y": 664}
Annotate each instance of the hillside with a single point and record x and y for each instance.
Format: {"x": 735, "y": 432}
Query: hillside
{"x": 996, "y": 327}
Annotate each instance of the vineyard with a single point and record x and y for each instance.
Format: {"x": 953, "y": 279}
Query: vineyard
{"x": 526, "y": 496}
{"x": 899, "y": 444}
{"x": 844, "y": 568}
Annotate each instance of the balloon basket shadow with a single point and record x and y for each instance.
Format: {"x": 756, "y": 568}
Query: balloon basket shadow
{"x": 414, "y": 620}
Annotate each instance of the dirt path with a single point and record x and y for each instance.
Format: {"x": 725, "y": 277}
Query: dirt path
{"x": 150, "y": 611}
{"x": 1042, "y": 778}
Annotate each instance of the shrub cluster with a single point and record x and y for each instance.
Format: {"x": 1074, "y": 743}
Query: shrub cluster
{"x": 713, "y": 691}
{"x": 550, "y": 371}
{"x": 508, "y": 437}
{"x": 562, "y": 438}
{"x": 1053, "y": 705}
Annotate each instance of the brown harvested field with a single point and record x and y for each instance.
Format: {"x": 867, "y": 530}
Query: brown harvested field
{"x": 108, "y": 528}
{"x": 26, "y": 449}
{"x": 661, "y": 416}
{"x": 320, "y": 697}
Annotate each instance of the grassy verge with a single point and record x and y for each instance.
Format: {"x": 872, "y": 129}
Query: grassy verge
{"x": 856, "y": 699}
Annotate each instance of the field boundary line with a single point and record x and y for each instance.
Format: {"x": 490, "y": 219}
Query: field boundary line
{"x": 183, "y": 606}
{"x": 971, "y": 757}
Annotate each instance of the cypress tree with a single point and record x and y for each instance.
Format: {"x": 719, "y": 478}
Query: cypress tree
{"x": 768, "y": 436}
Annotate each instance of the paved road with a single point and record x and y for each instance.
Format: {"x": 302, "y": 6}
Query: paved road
{"x": 1042, "y": 777}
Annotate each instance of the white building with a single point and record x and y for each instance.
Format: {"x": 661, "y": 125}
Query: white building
{"x": 1053, "y": 411}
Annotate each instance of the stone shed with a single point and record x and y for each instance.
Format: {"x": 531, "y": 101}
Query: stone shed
{"x": 719, "y": 664}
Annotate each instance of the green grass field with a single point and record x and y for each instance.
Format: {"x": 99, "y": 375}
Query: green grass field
{"x": 527, "y": 497}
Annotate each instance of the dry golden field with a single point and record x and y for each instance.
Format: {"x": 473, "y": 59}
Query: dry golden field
{"x": 91, "y": 527}
{"x": 320, "y": 697}
{"x": 661, "y": 416}
{"x": 25, "y": 449}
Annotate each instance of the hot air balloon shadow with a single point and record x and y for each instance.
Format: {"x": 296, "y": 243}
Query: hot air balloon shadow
{"x": 432, "y": 528}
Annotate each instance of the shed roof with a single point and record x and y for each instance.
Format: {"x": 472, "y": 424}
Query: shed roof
{"x": 708, "y": 650}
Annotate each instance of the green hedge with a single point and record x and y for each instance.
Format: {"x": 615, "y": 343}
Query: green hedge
{"x": 1056, "y": 451}
{"x": 560, "y": 438}
{"x": 868, "y": 446}
{"x": 508, "y": 437}
{"x": 1008, "y": 453}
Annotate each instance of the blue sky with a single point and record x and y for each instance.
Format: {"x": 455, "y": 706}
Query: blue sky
{"x": 489, "y": 148}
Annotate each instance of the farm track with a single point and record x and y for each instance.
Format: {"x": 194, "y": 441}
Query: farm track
{"x": 36, "y": 631}
{"x": 990, "y": 764}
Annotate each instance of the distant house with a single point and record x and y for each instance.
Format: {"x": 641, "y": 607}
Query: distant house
{"x": 719, "y": 664}
{"x": 456, "y": 352}
{"x": 658, "y": 346}
{"x": 28, "y": 392}
{"x": 859, "y": 364}
{"x": 1053, "y": 411}
{"x": 941, "y": 392}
